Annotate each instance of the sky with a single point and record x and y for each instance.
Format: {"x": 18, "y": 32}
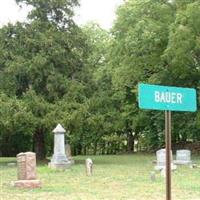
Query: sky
{"x": 100, "y": 11}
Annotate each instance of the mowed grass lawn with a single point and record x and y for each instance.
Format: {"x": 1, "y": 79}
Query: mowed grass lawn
{"x": 120, "y": 177}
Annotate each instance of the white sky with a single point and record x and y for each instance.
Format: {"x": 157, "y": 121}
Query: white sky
{"x": 100, "y": 11}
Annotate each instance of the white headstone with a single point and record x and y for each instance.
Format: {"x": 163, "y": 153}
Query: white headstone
{"x": 183, "y": 157}
{"x": 89, "y": 166}
{"x": 161, "y": 160}
{"x": 59, "y": 159}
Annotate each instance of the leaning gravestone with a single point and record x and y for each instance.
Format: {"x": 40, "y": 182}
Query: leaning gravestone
{"x": 161, "y": 160}
{"x": 183, "y": 157}
{"x": 26, "y": 171}
{"x": 59, "y": 159}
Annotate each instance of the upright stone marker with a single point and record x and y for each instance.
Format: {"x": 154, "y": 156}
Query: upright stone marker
{"x": 88, "y": 166}
{"x": 59, "y": 159}
{"x": 68, "y": 153}
{"x": 161, "y": 160}
{"x": 183, "y": 157}
{"x": 26, "y": 171}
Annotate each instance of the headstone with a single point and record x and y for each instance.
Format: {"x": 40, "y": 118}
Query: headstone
{"x": 183, "y": 157}
{"x": 12, "y": 164}
{"x": 163, "y": 172}
{"x": 68, "y": 153}
{"x": 161, "y": 160}
{"x": 88, "y": 166}
{"x": 26, "y": 171}
{"x": 153, "y": 176}
{"x": 59, "y": 159}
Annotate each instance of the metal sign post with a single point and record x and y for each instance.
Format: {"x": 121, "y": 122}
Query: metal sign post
{"x": 168, "y": 153}
{"x": 169, "y": 99}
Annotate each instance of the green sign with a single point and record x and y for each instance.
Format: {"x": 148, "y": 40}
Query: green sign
{"x": 167, "y": 98}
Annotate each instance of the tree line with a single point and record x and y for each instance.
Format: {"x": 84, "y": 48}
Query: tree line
{"x": 54, "y": 71}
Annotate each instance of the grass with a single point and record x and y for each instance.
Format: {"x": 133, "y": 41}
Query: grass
{"x": 121, "y": 177}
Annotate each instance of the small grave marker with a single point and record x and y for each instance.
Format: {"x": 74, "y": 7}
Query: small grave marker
{"x": 89, "y": 166}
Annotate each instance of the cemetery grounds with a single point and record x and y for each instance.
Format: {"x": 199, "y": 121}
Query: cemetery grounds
{"x": 115, "y": 177}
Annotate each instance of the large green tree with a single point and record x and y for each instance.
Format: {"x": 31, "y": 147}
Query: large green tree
{"x": 155, "y": 42}
{"x": 45, "y": 55}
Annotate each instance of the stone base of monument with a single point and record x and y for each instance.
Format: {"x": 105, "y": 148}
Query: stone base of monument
{"x": 182, "y": 162}
{"x": 59, "y": 166}
{"x": 30, "y": 184}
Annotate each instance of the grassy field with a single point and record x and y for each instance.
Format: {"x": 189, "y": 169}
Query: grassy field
{"x": 122, "y": 177}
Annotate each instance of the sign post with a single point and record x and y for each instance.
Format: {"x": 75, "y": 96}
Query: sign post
{"x": 168, "y": 99}
{"x": 168, "y": 153}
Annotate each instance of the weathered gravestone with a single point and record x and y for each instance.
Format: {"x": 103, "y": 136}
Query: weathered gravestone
{"x": 68, "y": 153}
{"x": 59, "y": 159}
{"x": 11, "y": 164}
{"x": 26, "y": 171}
{"x": 88, "y": 166}
{"x": 161, "y": 160}
{"x": 153, "y": 176}
{"x": 183, "y": 157}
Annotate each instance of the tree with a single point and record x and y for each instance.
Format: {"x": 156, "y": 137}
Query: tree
{"x": 140, "y": 37}
{"x": 46, "y": 56}
{"x": 16, "y": 124}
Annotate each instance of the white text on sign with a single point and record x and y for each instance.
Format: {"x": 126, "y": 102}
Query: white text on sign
{"x": 168, "y": 97}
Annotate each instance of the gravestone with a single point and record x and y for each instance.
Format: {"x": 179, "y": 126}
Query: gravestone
{"x": 26, "y": 171}
{"x": 153, "y": 176}
{"x": 183, "y": 157}
{"x": 88, "y": 166}
{"x": 68, "y": 153}
{"x": 163, "y": 172}
{"x": 59, "y": 159}
{"x": 161, "y": 160}
{"x": 12, "y": 164}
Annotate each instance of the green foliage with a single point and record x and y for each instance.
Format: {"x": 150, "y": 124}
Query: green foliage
{"x": 16, "y": 124}
{"x": 52, "y": 71}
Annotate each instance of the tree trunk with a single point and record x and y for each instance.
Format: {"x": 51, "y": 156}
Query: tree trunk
{"x": 85, "y": 150}
{"x": 39, "y": 144}
{"x": 95, "y": 148}
{"x": 108, "y": 148}
{"x": 130, "y": 143}
{"x": 103, "y": 148}
{"x": 79, "y": 149}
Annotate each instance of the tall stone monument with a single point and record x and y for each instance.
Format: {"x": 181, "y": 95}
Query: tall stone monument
{"x": 59, "y": 159}
{"x": 26, "y": 171}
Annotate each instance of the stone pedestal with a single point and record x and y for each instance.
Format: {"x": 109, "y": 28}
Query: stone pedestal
{"x": 59, "y": 159}
{"x": 26, "y": 171}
